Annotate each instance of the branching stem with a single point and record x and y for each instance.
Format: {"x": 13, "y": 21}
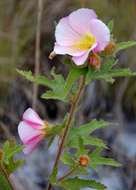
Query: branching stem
{"x": 70, "y": 119}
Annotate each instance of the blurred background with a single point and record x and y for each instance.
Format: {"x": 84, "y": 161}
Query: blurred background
{"x": 115, "y": 102}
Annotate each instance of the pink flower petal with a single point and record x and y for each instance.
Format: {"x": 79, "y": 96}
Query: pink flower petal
{"x": 80, "y": 60}
{"x": 33, "y": 118}
{"x": 27, "y": 132}
{"x": 32, "y": 145}
{"x": 62, "y": 50}
{"x": 80, "y": 20}
{"x": 101, "y": 33}
{"x": 64, "y": 34}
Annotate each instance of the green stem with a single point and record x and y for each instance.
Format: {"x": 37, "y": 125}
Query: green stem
{"x": 69, "y": 123}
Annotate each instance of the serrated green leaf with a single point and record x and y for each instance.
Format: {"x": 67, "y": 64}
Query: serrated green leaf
{"x": 56, "y": 84}
{"x": 57, "y": 88}
{"x": 78, "y": 183}
{"x": 10, "y": 149}
{"x": 42, "y": 80}
{"x": 67, "y": 159}
{"x": 125, "y": 45}
{"x": 86, "y": 129}
{"x": 60, "y": 88}
{"x": 27, "y": 74}
{"x": 73, "y": 76}
{"x": 88, "y": 140}
{"x": 66, "y": 87}
{"x": 97, "y": 159}
{"x": 108, "y": 73}
{"x": 103, "y": 161}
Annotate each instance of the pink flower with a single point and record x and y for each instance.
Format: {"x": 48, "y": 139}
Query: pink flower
{"x": 31, "y": 130}
{"x": 80, "y": 33}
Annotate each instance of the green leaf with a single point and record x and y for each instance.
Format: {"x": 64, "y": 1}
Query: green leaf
{"x": 42, "y": 80}
{"x": 97, "y": 159}
{"x": 125, "y": 45}
{"x": 4, "y": 183}
{"x": 27, "y": 74}
{"x": 67, "y": 159}
{"x": 104, "y": 161}
{"x": 65, "y": 87}
{"x": 87, "y": 140}
{"x": 111, "y": 25}
{"x": 59, "y": 88}
{"x": 86, "y": 129}
{"x": 107, "y": 72}
{"x": 73, "y": 76}
{"x": 10, "y": 149}
{"x": 78, "y": 183}
{"x": 56, "y": 84}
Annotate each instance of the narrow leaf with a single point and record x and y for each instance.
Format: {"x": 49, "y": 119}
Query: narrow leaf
{"x": 86, "y": 129}
{"x": 111, "y": 25}
{"x": 67, "y": 159}
{"x": 78, "y": 183}
{"x": 87, "y": 140}
{"x": 125, "y": 45}
{"x": 97, "y": 159}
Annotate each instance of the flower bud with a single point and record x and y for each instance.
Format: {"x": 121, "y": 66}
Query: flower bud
{"x": 84, "y": 160}
{"x": 32, "y": 130}
{"x": 95, "y": 61}
{"x": 110, "y": 48}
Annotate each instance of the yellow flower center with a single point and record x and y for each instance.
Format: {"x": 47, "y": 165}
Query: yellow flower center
{"x": 86, "y": 42}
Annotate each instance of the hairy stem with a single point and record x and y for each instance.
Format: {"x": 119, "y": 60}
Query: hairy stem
{"x": 69, "y": 123}
{"x": 37, "y": 51}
